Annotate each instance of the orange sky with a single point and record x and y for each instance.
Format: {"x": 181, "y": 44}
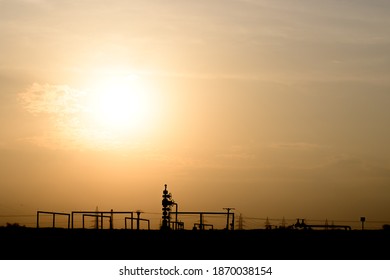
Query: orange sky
{"x": 275, "y": 108}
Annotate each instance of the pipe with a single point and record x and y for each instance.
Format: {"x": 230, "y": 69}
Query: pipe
{"x": 138, "y": 219}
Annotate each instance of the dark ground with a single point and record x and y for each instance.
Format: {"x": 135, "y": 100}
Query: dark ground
{"x": 78, "y": 244}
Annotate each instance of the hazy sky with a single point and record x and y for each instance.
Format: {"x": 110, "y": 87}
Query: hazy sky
{"x": 276, "y": 108}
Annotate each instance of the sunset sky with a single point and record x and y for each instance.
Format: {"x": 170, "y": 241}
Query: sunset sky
{"x": 276, "y": 108}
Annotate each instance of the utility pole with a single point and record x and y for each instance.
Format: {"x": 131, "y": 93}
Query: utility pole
{"x": 362, "y": 220}
{"x": 112, "y": 219}
{"x": 97, "y": 218}
{"x": 240, "y": 222}
{"x": 267, "y": 224}
{"x": 228, "y": 216}
{"x": 138, "y": 217}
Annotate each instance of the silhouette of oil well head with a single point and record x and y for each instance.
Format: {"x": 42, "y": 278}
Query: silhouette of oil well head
{"x": 168, "y": 223}
{"x": 167, "y": 203}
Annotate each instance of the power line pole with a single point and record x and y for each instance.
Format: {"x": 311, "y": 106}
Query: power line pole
{"x": 96, "y": 226}
{"x": 228, "y": 216}
{"x": 267, "y": 224}
{"x": 240, "y": 222}
{"x": 362, "y": 220}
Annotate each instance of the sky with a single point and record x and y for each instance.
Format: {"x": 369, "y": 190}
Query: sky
{"x": 274, "y": 108}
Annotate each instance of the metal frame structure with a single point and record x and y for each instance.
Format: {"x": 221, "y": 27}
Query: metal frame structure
{"x": 204, "y": 225}
{"x": 201, "y": 223}
{"x": 53, "y": 217}
{"x": 101, "y": 215}
{"x": 97, "y": 217}
{"x": 96, "y": 214}
{"x": 137, "y": 219}
{"x": 177, "y": 224}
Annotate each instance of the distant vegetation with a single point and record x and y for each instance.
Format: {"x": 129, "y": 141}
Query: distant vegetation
{"x": 14, "y": 225}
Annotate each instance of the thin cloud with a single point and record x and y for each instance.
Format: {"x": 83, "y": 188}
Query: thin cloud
{"x": 236, "y": 152}
{"x": 363, "y": 165}
{"x": 296, "y": 145}
{"x": 63, "y": 105}
{"x": 51, "y": 99}
{"x": 71, "y": 124}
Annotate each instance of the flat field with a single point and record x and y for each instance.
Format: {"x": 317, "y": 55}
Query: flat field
{"x": 90, "y": 244}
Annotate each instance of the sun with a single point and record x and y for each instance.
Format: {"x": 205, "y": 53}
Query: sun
{"x": 120, "y": 103}
{"x": 118, "y": 111}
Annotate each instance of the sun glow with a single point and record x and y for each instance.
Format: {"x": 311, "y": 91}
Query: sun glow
{"x": 107, "y": 112}
{"x": 119, "y": 111}
{"x": 121, "y": 104}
